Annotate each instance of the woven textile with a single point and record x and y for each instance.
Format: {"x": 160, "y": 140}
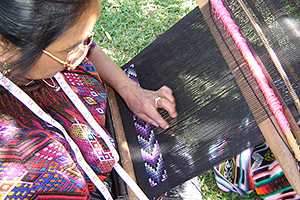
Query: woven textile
{"x": 36, "y": 162}
{"x": 259, "y": 168}
{"x": 214, "y": 121}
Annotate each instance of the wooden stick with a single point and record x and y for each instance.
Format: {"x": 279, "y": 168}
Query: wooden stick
{"x": 121, "y": 138}
{"x": 274, "y": 42}
{"x": 273, "y": 56}
{"x": 269, "y": 131}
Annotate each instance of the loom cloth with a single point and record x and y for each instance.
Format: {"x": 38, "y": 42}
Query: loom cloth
{"x": 279, "y": 21}
{"x": 214, "y": 122}
{"x": 35, "y": 159}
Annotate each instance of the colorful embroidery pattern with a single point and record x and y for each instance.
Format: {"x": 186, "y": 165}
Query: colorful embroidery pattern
{"x": 150, "y": 150}
{"x": 269, "y": 180}
{"x": 36, "y": 162}
{"x": 92, "y": 92}
{"x": 33, "y": 163}
{"x": 96, "y": 152}
{"x": 261, "y": 172}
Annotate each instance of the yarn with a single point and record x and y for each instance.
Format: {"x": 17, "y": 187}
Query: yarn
{"x": 256, "y": 70}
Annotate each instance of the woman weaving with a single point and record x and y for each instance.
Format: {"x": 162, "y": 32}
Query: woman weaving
{"x": 40, "y": 40}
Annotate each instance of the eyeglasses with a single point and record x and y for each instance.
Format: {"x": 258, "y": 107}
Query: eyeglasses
{"x": 76, "y": 56}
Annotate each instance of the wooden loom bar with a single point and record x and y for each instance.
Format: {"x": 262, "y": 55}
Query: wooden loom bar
{"x": 121, "y": 140}
{"x": 273, "y": 57}
{"x": 293, "y": 123}
{"x": 294, "y": 126}
{"x": 269, "y": 131}
{"x": 279, "y": 50}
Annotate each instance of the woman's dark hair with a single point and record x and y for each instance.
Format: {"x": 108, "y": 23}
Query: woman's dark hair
{"x": 32, "y": 25}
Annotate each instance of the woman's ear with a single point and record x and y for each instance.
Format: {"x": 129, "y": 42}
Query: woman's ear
{"x": 4, "y": 54}
{"x": 4, "y": 47}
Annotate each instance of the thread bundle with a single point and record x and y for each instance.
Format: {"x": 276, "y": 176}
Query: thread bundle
{"x": 256, "y": 70}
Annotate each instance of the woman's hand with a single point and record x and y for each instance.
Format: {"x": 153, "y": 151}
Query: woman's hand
{"x": 144, "y": 104}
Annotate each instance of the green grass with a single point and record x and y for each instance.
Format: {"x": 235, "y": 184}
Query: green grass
{"x": 126, "y": 27}
{"x": 212, "y": 192}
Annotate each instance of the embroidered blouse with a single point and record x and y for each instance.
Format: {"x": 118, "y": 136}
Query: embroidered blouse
{"x": 35, "y": 159}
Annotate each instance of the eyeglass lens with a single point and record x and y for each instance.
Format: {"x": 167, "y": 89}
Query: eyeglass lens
{"x": 75, "y": 57}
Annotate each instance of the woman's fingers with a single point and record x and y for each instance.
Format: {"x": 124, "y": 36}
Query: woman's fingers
{"x": 144, "y": 104}
{"x": 166, "y": 101}
{"x": 169, "y": 106}
{"x": 154, "y": 118}
{"x": 167, "y": 93}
